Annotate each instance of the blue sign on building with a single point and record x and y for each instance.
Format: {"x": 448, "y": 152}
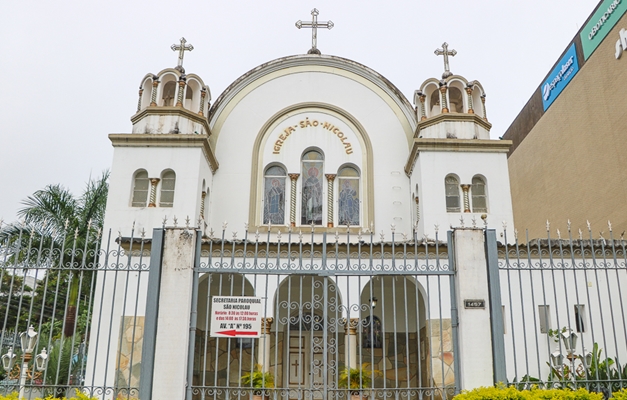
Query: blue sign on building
{"x": 560, "y": 77}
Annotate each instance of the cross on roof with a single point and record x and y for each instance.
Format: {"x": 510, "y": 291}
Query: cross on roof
{"x": 314, "y": 25}
{"x": 181, "y": 48}
{"x": 444, "y": 52}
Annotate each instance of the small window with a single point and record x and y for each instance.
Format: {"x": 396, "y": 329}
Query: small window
{"x": 479, "y": 198}
{"x": 544, "y": 314}
{"x": 580, "y": 321}
{"x": 168, "y": 180}
{"x": 452, "y": 194}
{"x": 141, "y": 186}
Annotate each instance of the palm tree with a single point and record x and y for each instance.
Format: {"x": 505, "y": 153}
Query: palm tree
{"x": 54, "y": 218}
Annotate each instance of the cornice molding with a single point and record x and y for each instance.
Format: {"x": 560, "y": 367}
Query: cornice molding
{"x": 455, "y": 145}
{"x": 166, "y": 140}
{"x": 455, "y": 117}
{"x": 163, "y": 110}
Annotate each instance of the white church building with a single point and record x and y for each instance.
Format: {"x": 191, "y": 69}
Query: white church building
{"x": 306, "y": 152}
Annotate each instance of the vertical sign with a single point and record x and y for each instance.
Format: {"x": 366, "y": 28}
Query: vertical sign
{"x": 236, "y": 316}
{"x": 560, "y": 77}
{"x": 600, "y": 24}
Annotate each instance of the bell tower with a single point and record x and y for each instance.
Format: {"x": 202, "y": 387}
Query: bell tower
{"x": 459, "y": 175}
{"x": 164, "y": 168}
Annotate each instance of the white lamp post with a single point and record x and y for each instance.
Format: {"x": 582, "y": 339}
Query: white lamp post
{"x": 28, "y": 340}
{"x": 570, "y": 342}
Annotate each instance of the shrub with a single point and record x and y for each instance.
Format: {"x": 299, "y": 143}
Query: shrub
{"x": 511, "y": 393}
{"x": 620, "y": 395}
{"x": 79, "y": 396}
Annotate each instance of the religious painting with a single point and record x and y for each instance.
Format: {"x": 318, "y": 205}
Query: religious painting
{"x": 274, "y": 196}
{"x": 312, "y": 189}
{"x": 348, "y": 213}
{"x": 372, "y": 333}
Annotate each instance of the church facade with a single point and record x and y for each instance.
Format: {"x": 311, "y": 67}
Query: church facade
{"x": 309, "y": 152}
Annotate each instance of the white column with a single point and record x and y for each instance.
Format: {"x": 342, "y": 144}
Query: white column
{"x": 350, "y": 329}
{"x": 175, "y": 298}
{"x": 263, "y": 350}
{"x": 475, "y": 335}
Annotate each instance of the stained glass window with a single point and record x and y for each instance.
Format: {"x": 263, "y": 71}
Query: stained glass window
{"x": 348, "y": 196}
{"x": 452, "y": 194}
{"x": 479, "y": 198}
{"x": 311, "y": 210}
{"x": 372, "y": 333}
{"x": 274, "y": 196}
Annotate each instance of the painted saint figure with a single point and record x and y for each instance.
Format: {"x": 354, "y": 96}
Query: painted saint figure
{"x": 349, "y": 202}
{"x": 274, "y": 197}
{"x": 312, "y": 197}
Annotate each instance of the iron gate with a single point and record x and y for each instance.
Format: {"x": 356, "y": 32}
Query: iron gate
{"x": 355, "y": 316}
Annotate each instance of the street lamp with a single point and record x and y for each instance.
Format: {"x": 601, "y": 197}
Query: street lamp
{"x": 28, "y": 340}
{"x": 8, "y": 360}
{"x": 373, "y": 302}
{"x": 41, "y": 360}
{"x": 570, "y": 342}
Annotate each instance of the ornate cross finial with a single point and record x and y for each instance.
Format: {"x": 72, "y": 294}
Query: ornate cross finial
{"x": 314, "y": 25}
{"x": 445, "y": 52}
{"x": 181, "y": 48}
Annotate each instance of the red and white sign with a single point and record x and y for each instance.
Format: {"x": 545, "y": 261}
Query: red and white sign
{"x": 236, "y": 316}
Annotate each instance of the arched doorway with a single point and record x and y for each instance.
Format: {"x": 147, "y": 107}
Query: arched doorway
{"x": 307, "y": 330}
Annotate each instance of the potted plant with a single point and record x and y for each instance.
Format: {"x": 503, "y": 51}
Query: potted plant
{"x": 356, "y": 379}
{"x": 258, "y": 381}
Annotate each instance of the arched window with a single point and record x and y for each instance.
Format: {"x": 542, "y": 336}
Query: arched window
{"x": 372, "y": 333}
{"x": 452, "y": 194}
{"x": 313, "y": 172}
{"x": 479, "y": 198}
{"x": 169, "y": 91}
{"x": 141, "y": 185}
{"x": 168, "y": 181}
{"x": 348, "y": 197}
{"x": 274, "y": 196}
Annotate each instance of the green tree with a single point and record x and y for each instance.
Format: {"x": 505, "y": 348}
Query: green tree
{"x": 62, "y": 229}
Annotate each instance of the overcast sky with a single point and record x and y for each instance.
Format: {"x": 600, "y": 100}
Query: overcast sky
{"x": 71, "y": 69}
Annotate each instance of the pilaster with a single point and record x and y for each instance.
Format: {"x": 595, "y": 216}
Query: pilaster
{"x": 293, "y": 180}
{"x": 330, "y": 179}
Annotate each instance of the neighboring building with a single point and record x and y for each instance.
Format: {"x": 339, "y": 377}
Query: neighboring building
{"x": 568, "y": 159}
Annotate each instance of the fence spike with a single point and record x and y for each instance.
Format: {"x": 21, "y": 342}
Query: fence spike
{"x": 559, "y": 236}
{"x": 187, "y": 222}
{"x": 588, "y": 225}
{"x": 474, "y": 221}
{"x": 225, "y": 224}
{"x": 609, "y": 225}
{"x": 176, "y": 221}
{"x": 278, "y": 235}
{"x": 382, "y": 236}
{"x": 234, "y": 236}
{"x": 436, "y": 227}
{"x": 165, "y": 220}
{"x": 568, "y": 224}
{"x": 580, "y": 234}
{"x": 337, "y": 236}
{"x": 393, "y": 228}
{"x": 548, "y": 226}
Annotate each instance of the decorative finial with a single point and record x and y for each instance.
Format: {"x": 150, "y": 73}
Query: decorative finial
{"x": 176, "y": 221}
{"x": 314, "y": 25}
{"x": 609, "y": 225}
{"x": 187, "y": 222}
{"x": 393, "y": 228}
{"x": 181, "y": 48}
{"x": 474, "y": 221}
{"x": 278, "y": 235}
{"x": 461, "y": 221}
{"x": 382, "y": 236}
{"x": 445, "y": 52}
{"x": 224, "y": 225}
{"x": 234, "y": 236}
{"x": 568, "y": 224}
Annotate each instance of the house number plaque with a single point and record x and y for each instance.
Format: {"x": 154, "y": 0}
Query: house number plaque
{"x": 474, "y": 303}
